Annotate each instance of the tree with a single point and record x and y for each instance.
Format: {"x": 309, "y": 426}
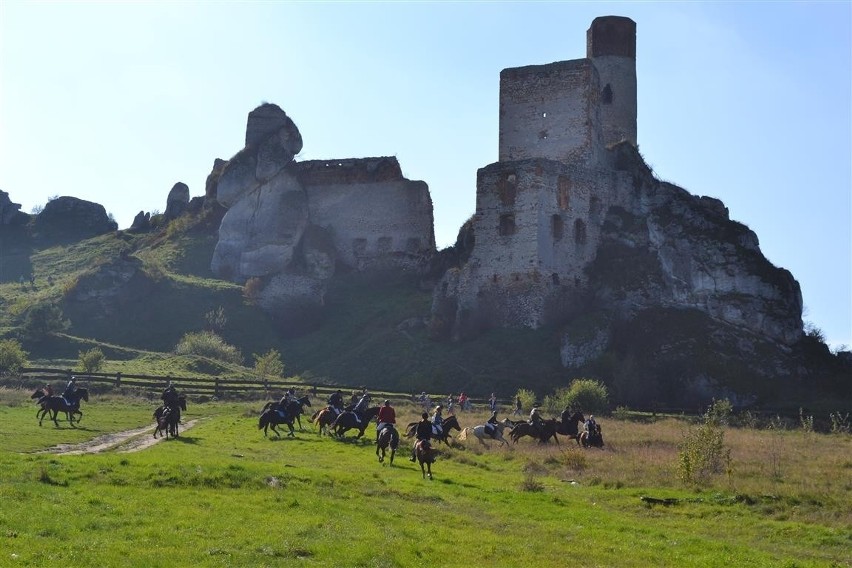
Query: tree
{"x": 42, "y": 320}
{"x": 12, "y": 357}
{"x": 91, "y": 361}
{"x": 587, "y": 395}
{"x": 268, "y": 365}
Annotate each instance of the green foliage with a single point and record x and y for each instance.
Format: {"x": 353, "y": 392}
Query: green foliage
{"x": 702, "y": 452}
{"x": 92, "y": 361}
{"x": 268, "y": 365}
{"x": 527, "y": 399}
{"x": 208, "y": 344}
{"x": 12, "y": 357}
{"x": 42, "y": 320}
{"x": 216, "y": 320}
{"x": 621, "y": 413}
{"x": 588, "y": 395}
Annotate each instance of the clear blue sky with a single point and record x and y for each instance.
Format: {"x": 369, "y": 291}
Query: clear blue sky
{"x": 748, "y": 102}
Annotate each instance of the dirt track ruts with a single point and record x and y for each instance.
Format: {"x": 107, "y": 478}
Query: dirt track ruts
{"x": 123, "y": 442}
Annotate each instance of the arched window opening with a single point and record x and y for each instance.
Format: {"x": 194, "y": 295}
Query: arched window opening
{"x": 606, "y": 95}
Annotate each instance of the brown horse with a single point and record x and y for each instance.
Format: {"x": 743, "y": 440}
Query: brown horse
{"x": 388, "y": 437}
{"x": 447, "y": 424}
{"x": 425, "y": 456}
{"x": 323, "y": 418}
{"x": 570, "y": 425}
{"x": 168, "y": 418}
{"x": 543, "y": 433}
{"x": 589, "y": 439}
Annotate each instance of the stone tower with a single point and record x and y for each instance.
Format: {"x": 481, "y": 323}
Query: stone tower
{"x": 611, "y": 46}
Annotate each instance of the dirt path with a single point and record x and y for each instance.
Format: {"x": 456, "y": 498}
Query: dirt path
{"x": 123, "y": 442}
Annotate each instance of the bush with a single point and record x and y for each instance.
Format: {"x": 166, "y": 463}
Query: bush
{"x": 92, "y": 361}
{"x": 587, "y": 395}
{"x": 702, "y": 451}
{"x": 13, "y": 358}
{"x": 252, "y": 289}
{"x": 216, "y": 320}
{"x": 268, "y": 365}
{"x": 208, "y": 344}
{"x": 527, "y": 400}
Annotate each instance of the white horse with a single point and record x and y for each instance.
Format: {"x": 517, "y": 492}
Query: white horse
{"x": 479, "y": 432}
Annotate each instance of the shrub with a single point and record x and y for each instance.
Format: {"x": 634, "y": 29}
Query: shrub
{"x": 807, "y": 421}
{"x": 208, "y": 344}
{"x": 587, "y": 395}
{"x": 13, "y": 358}
{"x": 702, "y": 451}
{"x": 268, "y": 365}
{"x": 839, "y": 422}
{"x": 91, "y": 361}
{"x": 252, "y": 289}
{"x": 527, "y": 399}
{"x": 216, "y": 320}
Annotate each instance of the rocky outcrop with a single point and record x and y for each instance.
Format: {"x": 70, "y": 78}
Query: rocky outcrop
{"x": 293, "y": 224}
{"x": 141, "y": 222}
{"x": 10, "y": 213}
{"x": 69, "y": 218}
{"x": 177, "y": 201}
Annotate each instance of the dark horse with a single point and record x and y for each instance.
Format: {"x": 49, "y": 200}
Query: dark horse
{"x": 53, "y": 405}
{"x": 389, "y": 436}
{"x": 168, "y": 418}
{"x": 348, "y": 421}
{"x": 271, "y": 415}
{"x": 544, "y": 433}
{"x": 571, "y": 426}
{"x": 299, "y": 409}
{"x": 425, "y": 455}
{"x": 447, "y": 424}
{"x": 595, "y": 438}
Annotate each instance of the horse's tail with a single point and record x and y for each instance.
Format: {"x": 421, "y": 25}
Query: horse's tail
{"x": 262, "y": 421}
{"x": 463, "y": 435}
{"x": 316, "y": 414}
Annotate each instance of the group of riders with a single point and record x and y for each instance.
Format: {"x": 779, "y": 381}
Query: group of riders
{"x": 426, "y": 429}
{"x": 71, "y": 401}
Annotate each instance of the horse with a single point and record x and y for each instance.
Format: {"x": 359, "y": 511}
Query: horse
{"x": 389, "y": 436}
{"x": 571, "y": 427}
{"x": 447, "y": 424}
{"x": 479, "y": 432}
{"x": 55, "y": 404}
{"x": 296, "y": 406}
{"x": 167, "y": 418}
{"x": 323, "y": 419}
{"x": 543, "y": 433}
{"x": 271, "y": 416}
{"x": 348, "y": 420}
{"x": 589, "y": 439}
{"x": 425, "y": 455}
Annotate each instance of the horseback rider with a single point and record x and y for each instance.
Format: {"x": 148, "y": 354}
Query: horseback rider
{"x": 591, "y": 427}
{"x": 438, "y": 422}
{"x": 491, "y": 425}
{"x": 335, "y": 402}
{"x": 171, "y": 399}
{"x": 68, "y": 394}
{"x": 535, "y": 419}
{"x": 386, "y": 418}
{"x": 361, "y": 406}
{"x": 423, "y": 434}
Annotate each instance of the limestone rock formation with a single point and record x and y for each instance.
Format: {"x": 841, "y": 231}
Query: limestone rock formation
{"x": 141, "y": 222}
{"x": 293, "y": 224}
{"x": 10, "y": 213}
{"x": 177, "y": 201}
{"x": 70, "y": 218}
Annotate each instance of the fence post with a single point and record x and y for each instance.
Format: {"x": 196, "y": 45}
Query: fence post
{"x": 216, "y": 388}
{"x": 118, "y": 379}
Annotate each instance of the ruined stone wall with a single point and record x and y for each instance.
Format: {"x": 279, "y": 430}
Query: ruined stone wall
{"x": 550, "y": 111}
{"x": 369, "y": 209}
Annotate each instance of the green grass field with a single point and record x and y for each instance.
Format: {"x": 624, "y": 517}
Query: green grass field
{"x": 223, "y": 495}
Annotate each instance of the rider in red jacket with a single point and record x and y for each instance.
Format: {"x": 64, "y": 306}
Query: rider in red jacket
{"x": 386, "y": 417}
